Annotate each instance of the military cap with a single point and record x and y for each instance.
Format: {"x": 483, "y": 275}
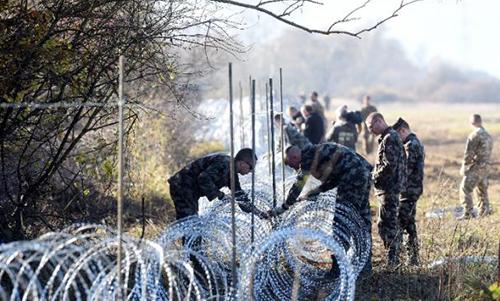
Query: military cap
{"x": 400, "y": 123}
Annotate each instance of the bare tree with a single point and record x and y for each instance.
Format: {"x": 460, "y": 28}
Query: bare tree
{"x": 62, "y": 56}
{"x": 283, "y": 11}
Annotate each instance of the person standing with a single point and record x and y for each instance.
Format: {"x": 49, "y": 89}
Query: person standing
{"x": 343, "y": 131}
{"x": 316, "y": 105}
{"x": 368, "y": 138}
{"x": 389, "y": 178}
{"x": 475, "y": 169}
{"x": 314, "y": 128}
{"x": 414, "y": 186}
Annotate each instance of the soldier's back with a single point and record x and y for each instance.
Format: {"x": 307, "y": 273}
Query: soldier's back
{"x": 483, "y": 145}
{"x": 194, "y": 168}
{"x": 390, "y": 146}
{"x": 345, "y": 134}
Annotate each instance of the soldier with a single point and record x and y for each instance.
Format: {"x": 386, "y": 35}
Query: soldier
{"x": 292, "y": 135}
{"x": 314, "y": 128}
{"x": 414, "y": 186}
{"x": 316, "y": 105}
{"x": 336, "y": 166}
{"x": 326, "y": 101}
{"x": 389, "y": 177}
{"x": 368, "y": 138}
{"x": 205, "y": 176}
{"x": 343, "y": 131}
{"x": 475, "y": 168}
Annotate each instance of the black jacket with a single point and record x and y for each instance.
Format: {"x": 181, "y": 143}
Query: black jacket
{"x": 314, "y": 129}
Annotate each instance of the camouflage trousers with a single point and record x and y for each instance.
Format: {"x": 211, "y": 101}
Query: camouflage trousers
{"x": 388, "y": 224}
{"x": 478, "y": 182}
{"x": 407, "y": 223}
{"x": 185, "y": 199}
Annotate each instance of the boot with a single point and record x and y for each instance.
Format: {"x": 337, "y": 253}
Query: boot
{"x": 393, "y": 258}
{"x": 467, "y": 215}
{"x": 413, "y": 250}
{"x": 485, "y": 211}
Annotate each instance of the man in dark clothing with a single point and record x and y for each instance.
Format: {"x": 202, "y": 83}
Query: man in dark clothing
{"x": 389, "y": 179}
{"x": 343, "y": 131}
{"x": 414, "y": 186}
{"x": 205, "y": 176}
{"x": 314, "y": 128}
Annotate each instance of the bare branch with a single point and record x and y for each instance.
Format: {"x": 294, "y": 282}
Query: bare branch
{"x": 293, "y": 6}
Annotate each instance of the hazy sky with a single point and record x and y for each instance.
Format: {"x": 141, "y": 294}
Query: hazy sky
{"x": 463, "y": 32}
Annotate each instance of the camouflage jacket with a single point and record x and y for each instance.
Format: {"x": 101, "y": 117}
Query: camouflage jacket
{"x": 336, "y": 166}
{"x": 344, "y": 133}
{"x": 477, "y": 151}
{"x": 206, "y": 175}
{"x": 389, "y": 174}
{"x": 414, "y": 166}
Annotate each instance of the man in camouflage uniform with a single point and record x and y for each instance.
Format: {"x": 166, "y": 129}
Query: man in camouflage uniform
{"x": 368, "y": 138}
{"x": 389, "y": 179}
{"x": 335, "y": 166}
{"x": 414, "y": 186}
{"x": 475, "y": 168}
{"x": 291, "y": 134}
{"x": 343, "y": 131}
{"x": 205, "y": 177}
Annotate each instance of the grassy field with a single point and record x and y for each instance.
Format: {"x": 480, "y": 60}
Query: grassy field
{"x": 443, "y": 130}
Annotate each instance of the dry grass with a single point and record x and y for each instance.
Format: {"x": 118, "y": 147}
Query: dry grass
{"x": 443, "y": 130}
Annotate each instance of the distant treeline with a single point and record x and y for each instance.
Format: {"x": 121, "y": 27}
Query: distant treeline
{"x": 346, "y": 67}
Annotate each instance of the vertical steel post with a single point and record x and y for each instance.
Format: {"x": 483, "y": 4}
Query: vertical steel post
{"x": 242, "y": 130}
{"x": 232, "y": 175}
{"x": 252, "y": 236}
{"x": 268, "y": 131}
{"x": 119, "y": 216}
{"x": 273, "y": 174}
{"x": 282, "y": 135}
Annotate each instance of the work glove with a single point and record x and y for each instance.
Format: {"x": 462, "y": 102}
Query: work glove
{"x": 262, "y": 214}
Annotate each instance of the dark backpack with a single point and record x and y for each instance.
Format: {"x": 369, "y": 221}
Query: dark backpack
{"x": 354, "y": 117}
